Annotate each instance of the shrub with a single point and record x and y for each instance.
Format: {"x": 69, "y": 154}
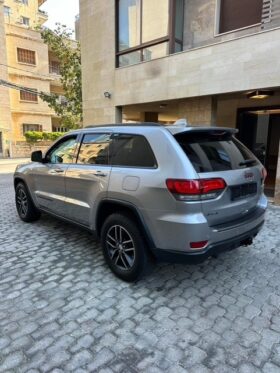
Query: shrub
{"x": 52, "y": 136}
{"x": 34, "y": 136}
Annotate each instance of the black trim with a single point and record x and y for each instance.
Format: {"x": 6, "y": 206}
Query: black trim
{"x": 198, "y": 257}
{"x": 67, "y": 220}
{"x": 133, "y": 208}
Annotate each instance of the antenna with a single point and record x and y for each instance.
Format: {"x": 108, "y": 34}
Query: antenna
{"x": 181, "y": 123}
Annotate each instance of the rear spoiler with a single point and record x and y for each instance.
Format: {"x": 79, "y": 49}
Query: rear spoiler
{"x": 176, "y": 130}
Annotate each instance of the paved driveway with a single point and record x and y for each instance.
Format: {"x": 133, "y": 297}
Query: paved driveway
{"x": 61, "y": 310}
{"x": 9, "y": 165}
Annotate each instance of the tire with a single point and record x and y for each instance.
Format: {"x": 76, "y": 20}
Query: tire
{"x": 124, "y": 249}
{"x": 25, "y": 206}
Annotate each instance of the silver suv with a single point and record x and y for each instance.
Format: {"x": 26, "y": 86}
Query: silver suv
{"x": 174, "y": 193}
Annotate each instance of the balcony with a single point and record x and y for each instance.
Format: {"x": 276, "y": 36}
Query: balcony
{"x": 42, "y": 16}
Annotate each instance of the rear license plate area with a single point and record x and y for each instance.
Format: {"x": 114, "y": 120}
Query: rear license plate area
{"x": 243, "y": 190}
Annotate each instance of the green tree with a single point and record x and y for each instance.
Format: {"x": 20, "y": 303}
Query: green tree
{"x": 68, "y": 52}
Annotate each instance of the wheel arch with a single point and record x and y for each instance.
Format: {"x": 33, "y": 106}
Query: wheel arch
{"x": 18, "y": 180}
{"x": 107, "y": 207}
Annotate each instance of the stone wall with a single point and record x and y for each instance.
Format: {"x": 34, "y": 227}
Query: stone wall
{"x": 22, "y": 149}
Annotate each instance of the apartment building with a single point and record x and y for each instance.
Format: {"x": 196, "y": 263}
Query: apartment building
{"x": 213, "y": 62}
{"x": 25, "y": 61}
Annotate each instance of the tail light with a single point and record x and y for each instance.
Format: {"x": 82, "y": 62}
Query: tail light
{"x": 195, "y": 190}
{"x": 198, "y": 245}
{"x": 264, "y": 174}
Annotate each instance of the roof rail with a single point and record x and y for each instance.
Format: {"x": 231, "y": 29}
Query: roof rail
{"x": 143, "y": 124}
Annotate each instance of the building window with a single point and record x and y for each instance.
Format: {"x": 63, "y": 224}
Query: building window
{"x": 28, "y": 96}
{"x": 148, "y": 29}
{"x": 32, "y": 127}
{"x": 60, "y": 129}
{"x": 237, "y": 14}
{"x": 25, "y": 21}
{"x": 54, "y": 67}
{"x": 26, "y": 56}
{"x": 7, "y": 11}
{"x": 25, "y": 2}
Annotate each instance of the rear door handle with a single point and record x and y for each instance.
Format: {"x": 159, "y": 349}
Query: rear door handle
{"x": 101, "y": 174}
{"x": 56, "y": 171}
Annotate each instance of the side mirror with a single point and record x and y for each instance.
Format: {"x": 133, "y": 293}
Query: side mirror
{"x": 37, "y": 156}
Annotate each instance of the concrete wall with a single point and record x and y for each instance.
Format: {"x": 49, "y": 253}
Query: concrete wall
{"x": 30, "y": 11}
{"x": 98, "y": 60}
{"x": 30, "y": 76}
{"x": 238, "y": 65}
{"x": 24, "y": 150}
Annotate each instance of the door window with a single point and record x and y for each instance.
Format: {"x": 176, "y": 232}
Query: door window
{"x": 63, "y": 152}
{"x": 94, "y": 149}
{"x": 131, "y": 151}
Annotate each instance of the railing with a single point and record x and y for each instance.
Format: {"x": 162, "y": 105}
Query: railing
{"x": 54, "y": 69}
{"x": 42, "y": 13}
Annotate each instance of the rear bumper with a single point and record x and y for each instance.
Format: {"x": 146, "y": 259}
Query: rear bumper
{"x": 212, "y": 250}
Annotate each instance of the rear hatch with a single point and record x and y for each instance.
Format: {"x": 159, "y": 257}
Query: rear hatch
{"x": 217, "y": 154}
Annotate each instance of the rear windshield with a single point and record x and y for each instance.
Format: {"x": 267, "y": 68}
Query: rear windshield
{"x": 215, "y": 151}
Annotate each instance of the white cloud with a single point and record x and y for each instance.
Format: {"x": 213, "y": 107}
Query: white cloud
{"x": 61, "y": 11}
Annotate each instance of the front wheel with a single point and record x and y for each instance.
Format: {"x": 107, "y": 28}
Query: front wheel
{"x": 124, "y": 249}
{"x": 25, "y": 206}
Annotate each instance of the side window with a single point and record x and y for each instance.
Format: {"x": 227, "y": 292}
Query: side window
{"x": 64, "y": 152}
{"x": 94, "y": 149}
{"x": 131, "y": 151}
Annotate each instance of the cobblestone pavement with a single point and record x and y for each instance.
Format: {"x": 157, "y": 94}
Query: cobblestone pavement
{"x": 61, "y": 309}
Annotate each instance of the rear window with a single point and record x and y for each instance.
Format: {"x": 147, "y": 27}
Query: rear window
{"x": 215, "y": 151}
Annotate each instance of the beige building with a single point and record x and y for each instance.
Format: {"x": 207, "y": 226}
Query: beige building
{"x": 213, "y": 62}
{"x": 25, "y": 62}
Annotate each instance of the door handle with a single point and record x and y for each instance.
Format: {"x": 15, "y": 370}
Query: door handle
{"x": 56, "y": 171}
{"x": 101, "y": 174}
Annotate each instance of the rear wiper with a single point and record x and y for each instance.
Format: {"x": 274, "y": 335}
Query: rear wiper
{"x": 247, "y": 162}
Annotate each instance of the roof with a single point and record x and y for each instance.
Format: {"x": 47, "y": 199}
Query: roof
{"x": 173, "y": 129}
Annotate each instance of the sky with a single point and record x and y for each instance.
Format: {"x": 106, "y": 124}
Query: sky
{"x": 62, "y": 11}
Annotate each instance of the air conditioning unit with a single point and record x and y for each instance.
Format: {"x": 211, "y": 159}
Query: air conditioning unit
{"x": 19, "y": 20}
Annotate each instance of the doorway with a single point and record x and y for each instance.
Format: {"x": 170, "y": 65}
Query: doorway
{"x": 259, "y": 130}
